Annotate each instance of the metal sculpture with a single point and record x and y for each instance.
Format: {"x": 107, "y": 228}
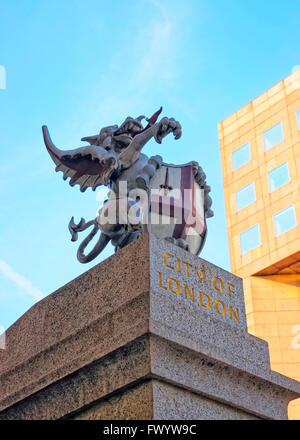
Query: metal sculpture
{"x": 171, "y": 201}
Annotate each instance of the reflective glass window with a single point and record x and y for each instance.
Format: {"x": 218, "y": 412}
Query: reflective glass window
{"x": 273, "y": 136}
{"x": 278, "y": 176}
{"x": 245, "y": 196}
{"x": 241, "y": 156}
{"x": 250, "y": 239}
{"x": 284, "y": 220}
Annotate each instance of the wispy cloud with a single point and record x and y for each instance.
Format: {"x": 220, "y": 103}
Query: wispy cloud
{"x": 158, "y": 43}
{"x": 145, "y": 64}
{"x": 20, "y": 281}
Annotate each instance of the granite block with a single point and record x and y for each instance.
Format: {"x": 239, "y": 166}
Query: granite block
{"x": 139, "y": 318}
{"x": 204, "y": 375}
{"x": 156, "y": 400}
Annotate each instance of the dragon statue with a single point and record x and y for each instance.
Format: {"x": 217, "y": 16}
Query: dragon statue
{"x": 113, "y": 158}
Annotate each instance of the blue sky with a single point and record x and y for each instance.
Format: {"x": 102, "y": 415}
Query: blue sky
{"x": 80, "y": 65}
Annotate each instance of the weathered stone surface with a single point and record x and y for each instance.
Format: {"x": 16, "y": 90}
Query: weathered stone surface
{"x": 167, "y": 401}
{"x": 117, "y": 370}
{"x": 114, "y": 330}
{"x": 135, "y": 403}
{"x": 89, "y": 317}
{"x": 206, "y": 334}
{"x": 217, "y": 380}
{"x": 174, "y": 403}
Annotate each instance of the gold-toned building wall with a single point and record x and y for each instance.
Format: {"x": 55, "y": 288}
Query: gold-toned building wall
{"x": 265, "y": 257}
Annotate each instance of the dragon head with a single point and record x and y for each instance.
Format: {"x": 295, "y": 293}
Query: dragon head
{"x": 116, "y": 137}
{"x": 95, "y": 164}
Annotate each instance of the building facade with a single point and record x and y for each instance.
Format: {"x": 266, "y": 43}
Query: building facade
{"x": 260, "y": 153}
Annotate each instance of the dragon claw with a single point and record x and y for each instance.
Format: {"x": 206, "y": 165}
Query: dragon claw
{"x": 166, "y": 126}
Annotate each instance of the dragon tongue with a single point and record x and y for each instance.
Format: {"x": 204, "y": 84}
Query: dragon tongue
{"x": 153, "y": 118}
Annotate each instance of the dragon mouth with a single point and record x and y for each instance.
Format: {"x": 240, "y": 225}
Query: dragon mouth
{"x": 87, "y": 164}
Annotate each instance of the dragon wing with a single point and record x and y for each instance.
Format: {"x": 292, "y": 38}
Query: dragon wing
{"x": 89, "y": 166}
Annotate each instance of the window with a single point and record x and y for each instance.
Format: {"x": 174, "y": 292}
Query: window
{"x": 298, "y": 118}
{"x": 278, "y": 177}
{"x": 273, "y": 136}
{"x": 241, "y": 156}
{"x": 245, "y": 196}
{"x": 284, "y": 220}
{"x": 250, "y": 239}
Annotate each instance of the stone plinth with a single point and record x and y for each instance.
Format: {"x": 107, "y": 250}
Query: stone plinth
{"x": 152, "y": 332}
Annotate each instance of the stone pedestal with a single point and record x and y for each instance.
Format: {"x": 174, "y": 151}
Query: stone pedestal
{"x": 152, "y": 332}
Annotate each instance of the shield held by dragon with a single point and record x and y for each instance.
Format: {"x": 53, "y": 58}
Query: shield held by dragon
{"x": 176, "y": 200}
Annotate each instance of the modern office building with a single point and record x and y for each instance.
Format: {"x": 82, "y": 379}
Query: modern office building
{"x": 260, "y": 152}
